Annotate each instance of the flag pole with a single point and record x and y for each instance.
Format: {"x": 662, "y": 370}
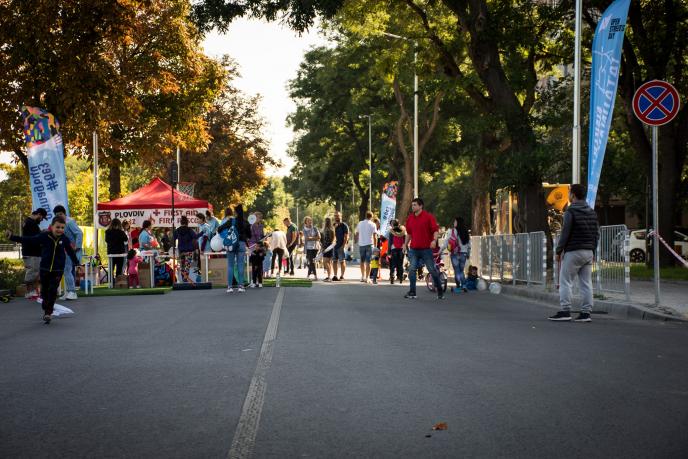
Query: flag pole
{"x": 179, "y": 165}
{"x": 95, "y": 193}
{"x": 576, "y": 141}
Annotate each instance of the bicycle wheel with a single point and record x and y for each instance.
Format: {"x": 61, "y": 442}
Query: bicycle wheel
{"x": 429, "y": 283}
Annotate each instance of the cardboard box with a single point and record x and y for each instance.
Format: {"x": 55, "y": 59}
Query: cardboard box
{"x": 217, "y": 271}
{"x": 144, "y": 275}
{"x": 20, "y": 290}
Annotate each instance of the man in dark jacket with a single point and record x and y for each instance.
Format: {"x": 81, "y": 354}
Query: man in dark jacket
{"x": 31, "y": 253}
{"x": 55, "y": 248}
{"x": 576, "y": 253}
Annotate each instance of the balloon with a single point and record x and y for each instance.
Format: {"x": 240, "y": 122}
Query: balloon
{"x": 482, "y": 285}
{"x": 252, "y": 219}
{"x": 217, "y": 243}
{"x": 495, "y": 288}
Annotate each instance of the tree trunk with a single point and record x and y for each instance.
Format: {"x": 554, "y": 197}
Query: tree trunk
{"x": 406, "y": 195}
{"x": 115, "y": 179}
{"x": 482, "y": 175}
{"x": 669, "y": 191}
{"x": 531, "y": 208}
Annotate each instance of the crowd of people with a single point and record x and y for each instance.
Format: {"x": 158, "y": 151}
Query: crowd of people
{"x": 50, "y": 255}
{"x": 269, "y": 254}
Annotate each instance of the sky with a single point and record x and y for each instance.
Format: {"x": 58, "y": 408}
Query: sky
{"x": 268, "y": 55}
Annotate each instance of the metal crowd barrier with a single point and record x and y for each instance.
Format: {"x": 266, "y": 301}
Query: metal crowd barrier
{"x": 612, "y": 269}
{"x": 511, "y": 257}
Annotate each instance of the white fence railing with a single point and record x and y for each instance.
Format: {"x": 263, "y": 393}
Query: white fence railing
{"x": 524, "y": 258}
{"x": 511, "y": 257}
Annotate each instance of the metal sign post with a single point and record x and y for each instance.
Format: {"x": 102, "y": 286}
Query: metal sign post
{"x": 655, "y": 211}
{"x": 656, "y": 103}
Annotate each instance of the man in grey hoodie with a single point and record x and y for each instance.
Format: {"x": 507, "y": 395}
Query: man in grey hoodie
{"x": 576, "y": 253}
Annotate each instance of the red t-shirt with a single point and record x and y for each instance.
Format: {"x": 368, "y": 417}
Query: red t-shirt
{"x": 421, "y": 228}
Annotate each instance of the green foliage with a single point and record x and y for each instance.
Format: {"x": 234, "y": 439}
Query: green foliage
{"x": 15, "y": 198}
{"x": 11, "y": 274}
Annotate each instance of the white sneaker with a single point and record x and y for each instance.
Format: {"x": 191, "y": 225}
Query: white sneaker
{"x": 230, "y": 290}
{"x": 71, "y": 296}
{"x": 260, "y": 285}
{"x": 251, "y": 285}
{"x": 241, "y": 290}
{"x": 28, "y": 294}
{"x": 138, "y": 286}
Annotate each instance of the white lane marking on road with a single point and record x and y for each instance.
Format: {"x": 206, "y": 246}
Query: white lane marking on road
{"x": 247, "y": 428}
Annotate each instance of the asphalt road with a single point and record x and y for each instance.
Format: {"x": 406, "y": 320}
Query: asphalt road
{"x": 355, "y": 371}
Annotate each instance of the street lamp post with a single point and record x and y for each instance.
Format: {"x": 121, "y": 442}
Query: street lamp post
{"x": 415, "y": 109}
{"x": 370, "y": 160}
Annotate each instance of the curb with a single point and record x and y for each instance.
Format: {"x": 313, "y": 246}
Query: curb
{"x": 613, "y": 308}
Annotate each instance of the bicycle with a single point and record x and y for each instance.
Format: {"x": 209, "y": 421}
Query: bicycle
{"x": 439, "y": 265}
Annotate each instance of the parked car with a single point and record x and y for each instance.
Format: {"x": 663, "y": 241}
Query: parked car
{"x": 637, "y": 245}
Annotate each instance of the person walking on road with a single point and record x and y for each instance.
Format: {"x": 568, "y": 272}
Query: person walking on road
{"x": 576, "y": 253}
{"x": 328, "y": 239}
{"x": 278, "y": 244}
{"x": 55, "y": 249}
{"x": 341, "y": 232}
{"x": 239, "y": 232}
{"x": 75, "y": 236}
{"x": 311, "y": 237}
{"x": 31, "y": 253}
{"x": 422, "y": 233}
{"x": 459, "y": 244}
{"x": 292, "y": 243}
{"x": 367, "y": 239}
{"x": 396, "y": 238}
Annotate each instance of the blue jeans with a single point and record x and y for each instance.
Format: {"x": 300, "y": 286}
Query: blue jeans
{"x": 417, "y": 258}
{"x": 458, "y": 261}
{"x": 236, "y": 257}
{"x": 70, "y": 283}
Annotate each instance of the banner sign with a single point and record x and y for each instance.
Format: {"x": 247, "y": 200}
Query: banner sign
{"x": 606, "y": 61}
{"x": 45, "y": 152}
{"x": 160, "y": 218}
{"x": 389, "y": 205}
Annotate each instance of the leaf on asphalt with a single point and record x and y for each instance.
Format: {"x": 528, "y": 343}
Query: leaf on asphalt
{"x": 440, "y": 426}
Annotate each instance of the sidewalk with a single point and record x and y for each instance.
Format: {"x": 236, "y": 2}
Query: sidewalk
{"x": 674, "y": 304}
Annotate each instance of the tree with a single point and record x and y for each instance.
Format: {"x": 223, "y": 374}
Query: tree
{"x": 233, "y": 167}
{"x": 130, "y": 70}
{"x": 15, "y": 197}
{"x": 656, "y": 47}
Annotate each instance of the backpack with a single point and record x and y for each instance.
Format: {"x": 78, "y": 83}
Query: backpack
{"x": 231, "y": 238}
{"x": 455, "y": 244}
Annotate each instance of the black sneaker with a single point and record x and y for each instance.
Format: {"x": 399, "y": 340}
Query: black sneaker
{"x": 334, "y": 279}
{"x": 561, "y": 316}
{"x": 583, "y": 317}
{"x": 411, "y": 295}
{"x": 440, "y": 296}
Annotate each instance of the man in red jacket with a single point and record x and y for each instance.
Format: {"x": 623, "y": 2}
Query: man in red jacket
{"x": 422, "y": 233}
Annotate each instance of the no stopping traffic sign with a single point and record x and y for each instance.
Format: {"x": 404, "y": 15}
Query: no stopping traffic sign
{"x": 656, "y": 103}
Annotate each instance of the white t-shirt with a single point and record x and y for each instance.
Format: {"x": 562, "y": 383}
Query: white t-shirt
{"x": 365, "y": 230}
{"x": 278, "y": 240}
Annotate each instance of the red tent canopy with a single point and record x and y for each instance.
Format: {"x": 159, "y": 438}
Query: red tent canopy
{"x": 152, "y": 202}
{"x": 155, "y": 195}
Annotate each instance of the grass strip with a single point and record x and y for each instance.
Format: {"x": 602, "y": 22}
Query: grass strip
{"x": 104, "y": 291}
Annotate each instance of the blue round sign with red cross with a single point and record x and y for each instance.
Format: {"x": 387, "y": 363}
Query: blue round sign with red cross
{"x": 656, "y": 103}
